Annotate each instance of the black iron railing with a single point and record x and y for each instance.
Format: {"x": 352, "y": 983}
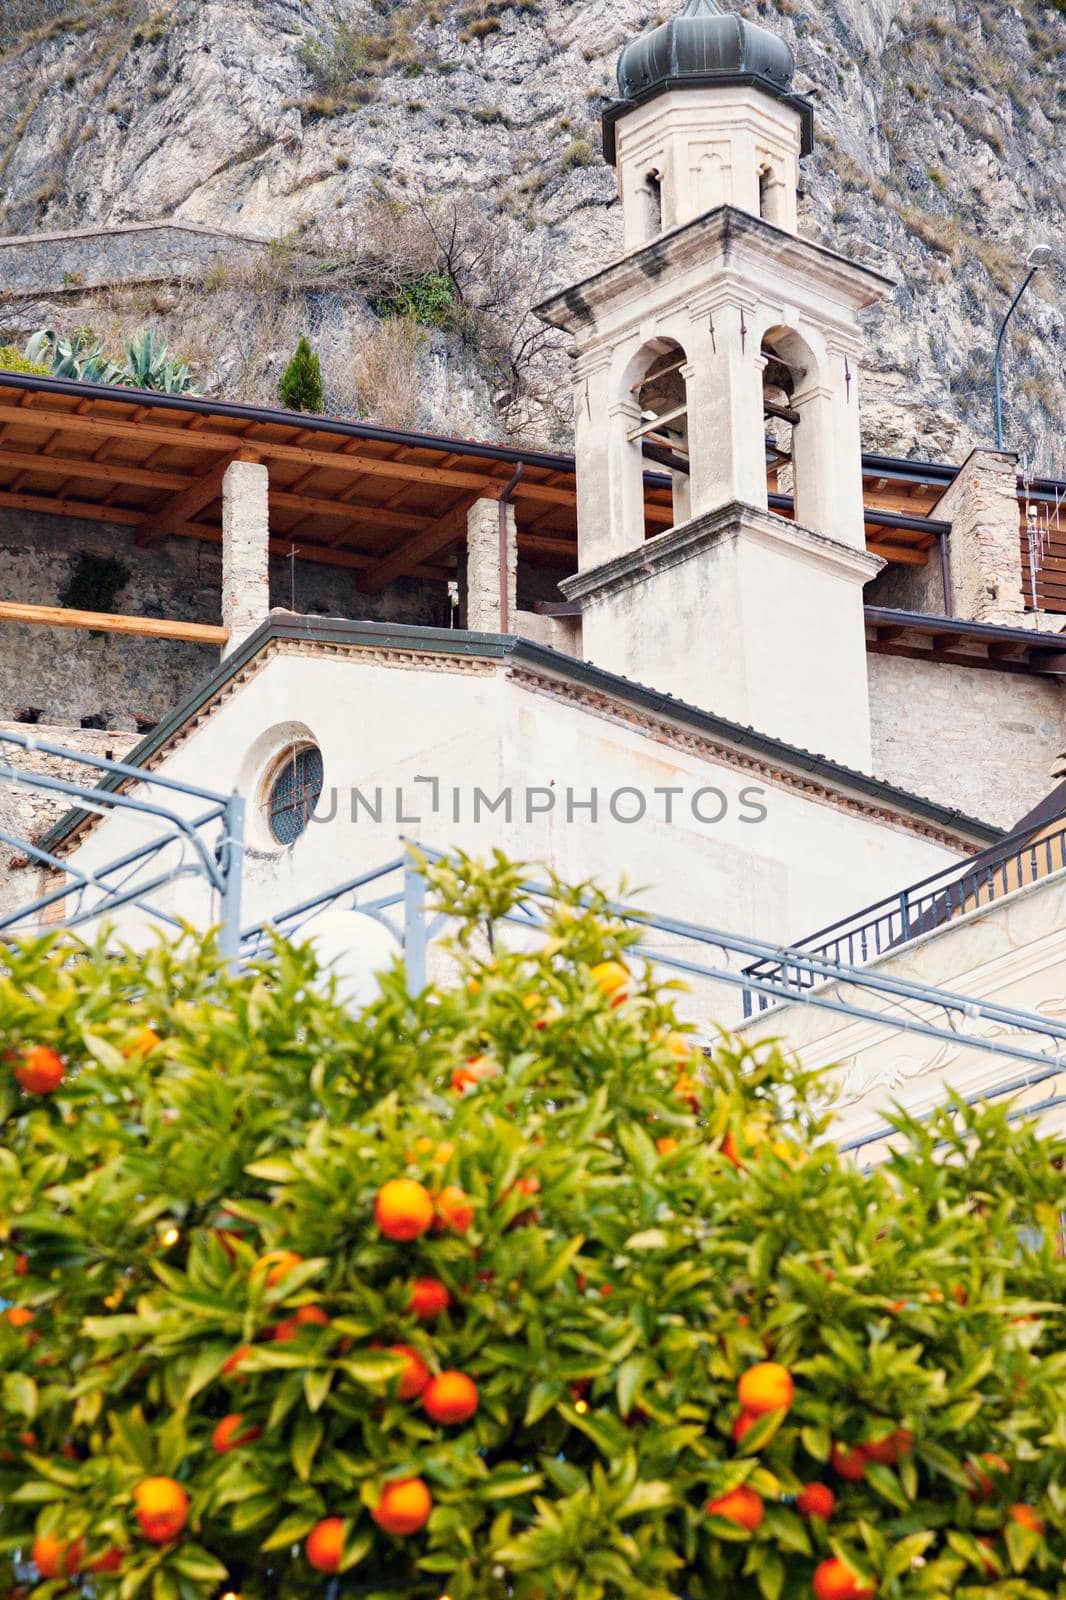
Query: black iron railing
{"x": 918, "y": 909}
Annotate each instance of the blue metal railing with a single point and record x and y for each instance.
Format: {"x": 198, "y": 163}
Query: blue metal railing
{"x": 919, "y": 908}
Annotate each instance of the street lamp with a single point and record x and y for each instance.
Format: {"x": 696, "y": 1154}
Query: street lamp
{"x": 1041, "y": 256}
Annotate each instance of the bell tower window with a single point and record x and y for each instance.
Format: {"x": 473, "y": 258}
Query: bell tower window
{"x": 652, "y": 195}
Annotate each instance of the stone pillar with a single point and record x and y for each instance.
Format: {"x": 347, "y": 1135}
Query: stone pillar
{"x": 245, "y": 550}
{"x": 610, "y": 479}
{"x": 985, "y": 542}
{"x": 483, "y": 587}
{"x": 723, "y": 393}
{"x": 827, "y": 453}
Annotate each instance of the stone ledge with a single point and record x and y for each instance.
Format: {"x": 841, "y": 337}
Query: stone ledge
{"x": 135, "y": 252}
{"x": 690, "y": 539}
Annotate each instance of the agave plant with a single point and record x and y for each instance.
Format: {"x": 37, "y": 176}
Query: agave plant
{"x": 80, "y": 357}
{"x": 145, "y": 363}
{"x": 147, "y": 367}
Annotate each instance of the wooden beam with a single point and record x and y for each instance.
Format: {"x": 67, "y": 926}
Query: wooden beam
{"x": 106, "y": 622}
{"x": 445, "y": 531}
{"x": 81, "y": 467}
{"x": 88, "y": 510}
{"x": 886, "y": 635}
{"x": 905, "y": 555}
{"x": 321, "y": 554}
{"x": 181, "y": 508}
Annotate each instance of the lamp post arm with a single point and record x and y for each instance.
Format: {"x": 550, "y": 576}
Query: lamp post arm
{"x": 999, "y": 353}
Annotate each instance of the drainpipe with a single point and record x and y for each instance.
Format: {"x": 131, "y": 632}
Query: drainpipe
{"x": 945, "y": 575}
{"x": 505, "y": 500}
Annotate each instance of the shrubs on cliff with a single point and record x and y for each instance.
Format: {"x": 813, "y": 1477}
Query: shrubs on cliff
{"x": 503, "y": 1291}
{"x": 12, "y": 360}
{"x": 145, "y": 362}
{"x": 301, "y": 382}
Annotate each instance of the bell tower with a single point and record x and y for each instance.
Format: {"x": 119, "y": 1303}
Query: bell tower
{"x": 722, "y": 349}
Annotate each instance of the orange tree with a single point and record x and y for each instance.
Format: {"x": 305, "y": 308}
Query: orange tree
{"x": 504, "y": 1290}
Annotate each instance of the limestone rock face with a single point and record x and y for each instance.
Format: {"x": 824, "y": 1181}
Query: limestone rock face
{"x": 938, "y": 160}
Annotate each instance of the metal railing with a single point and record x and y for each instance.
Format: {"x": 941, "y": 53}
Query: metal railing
{"x": 208, "y": 845}
{"x": 920, "y": 908}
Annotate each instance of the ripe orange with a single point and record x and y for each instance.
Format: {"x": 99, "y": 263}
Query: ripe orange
{"x": 455, "y": 1209}
{"x": 162, "y": 1509}
{"x": 403, "y": 1209}
{"x": 429, "y": 1299}
{"x": 766, "y": 1387}
{"x": 143, "y": 1041}
{"x": 232, "y": 1363}
{"x": 981, "y": 1485}
{"x": 888, "y": 1450}
{"x": 450, "y": 1398}
{"x": 231, "y": 1433}
{"x": 306, "y": 1317}
{"x": 666, "y": 1145}
{"x": 849, "y": 1462}
{"x": 41, "y": 1070}
{"x": 22, "y": 1266}
{"x": 835, "y": 1580}
{"x": 325, "y": 1544}
{"x": 476, "y": 1070}
{"x": 54, "y": 1559}
{"x": 742, "y": 1506}
{"x": 612, "y": 980}
{"x": 414, "y": 1375}
{"x": 746, "y": 1420}
{"x": 404, "y": 1507}
{"x": 19, "y": 1316}
{"x": 731, "y": 1150}
{"x": 110, "y": 1561}
{"x": 1026, "y": 1517}
{"x": 816, "y": 1500}
{"x": 275, "y": 1264}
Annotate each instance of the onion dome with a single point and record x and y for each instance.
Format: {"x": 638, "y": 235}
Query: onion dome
{"x": 703, "y": 43}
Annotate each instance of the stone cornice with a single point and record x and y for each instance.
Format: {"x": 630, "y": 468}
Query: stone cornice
{"x": 736, "y": 520}
{"x": 719, "y": 239}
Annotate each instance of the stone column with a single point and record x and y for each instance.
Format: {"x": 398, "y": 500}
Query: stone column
{"x": 610, "y": 467}
{"x": 827, "y": 452}
{"x": 985, "y": 542}
{"x": 483, "y": 588}
{"x": 723, "y": 391}
{"x": 245, "y": 550}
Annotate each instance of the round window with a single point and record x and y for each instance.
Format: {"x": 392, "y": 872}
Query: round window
{"x": 293, "y": 793}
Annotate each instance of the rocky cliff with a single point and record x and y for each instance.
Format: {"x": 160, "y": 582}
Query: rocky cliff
{"x": 372, "y": 139}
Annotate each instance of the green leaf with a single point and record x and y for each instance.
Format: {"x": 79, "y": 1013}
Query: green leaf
{"x": 306, "y": 1438}
{"x": 770, "y": 1574}
{"x": 291, "y": 1531}
{"x": 20, "y": 1394}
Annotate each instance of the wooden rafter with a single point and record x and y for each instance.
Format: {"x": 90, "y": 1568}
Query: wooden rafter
{"x": 184, "y": 506}
{"x": 428, "y": 542}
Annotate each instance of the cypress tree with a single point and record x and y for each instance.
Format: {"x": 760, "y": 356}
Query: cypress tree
{"x": 301, "y": 383}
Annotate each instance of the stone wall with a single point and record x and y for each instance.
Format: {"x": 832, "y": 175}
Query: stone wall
{"x": 136, "y": 252}
{"x": 983, "y": 741}
{"x": 908, "y": 588}
{"x": 27, "y": 813}
{"x": 65, "y": 675}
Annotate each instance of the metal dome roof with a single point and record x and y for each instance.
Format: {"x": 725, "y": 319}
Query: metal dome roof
{"x": 703, "y": 42}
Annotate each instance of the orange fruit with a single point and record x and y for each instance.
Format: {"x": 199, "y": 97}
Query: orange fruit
{"x": 232, "y": 1432}
{"x": 476, "y": 1070}
{"x": 41, "y": 1070}
{"x": 612, "y": 980}
{"x": 455, "y": 1209}
{"x": 982, "y": 1486}
{"x": 1026, "y": 1517}
{"x": 306, "y": 1317}
{"x": 731, "y": 1150}
{"x": 746, "y": 1420}
{"x": 110, "y": 1561}
{"x": 742, "y": 1506}
{"x": 666, "y": 1146}
{"x": 22, "y": 1266}
{"x": 429, "y": 1299}
{"x": 232, "y": 1363}
{"x": 54, "y": 1559}
{"x": 414, "y": 1375}
{"x": 849, "y": 1462}
{"x": 404, "y": 1507}
{"x": 450, "y": 1398}
{"x": 19, "y": 1316}
{"x": 835, "y": 1580}
{"x": 162, "y": 1509}
{"x": 766, "y": 1387}
{"x": 275, "y": 1264}
{"x": 143, "y": 1041}
{"x": 403, "y": 1209}
{"x": 815, "y": 1500}
{"x": 325, "y": 1544}
{"x": 888, "y": 1450}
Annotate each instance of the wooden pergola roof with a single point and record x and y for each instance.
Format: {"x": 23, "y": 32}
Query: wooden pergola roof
{"x": 387, "y": 503}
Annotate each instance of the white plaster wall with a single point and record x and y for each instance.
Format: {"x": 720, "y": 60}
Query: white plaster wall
{"x": 982, "y": 741}
{"x": 1012, "y": 953}
{"x": 384, "y": 725}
